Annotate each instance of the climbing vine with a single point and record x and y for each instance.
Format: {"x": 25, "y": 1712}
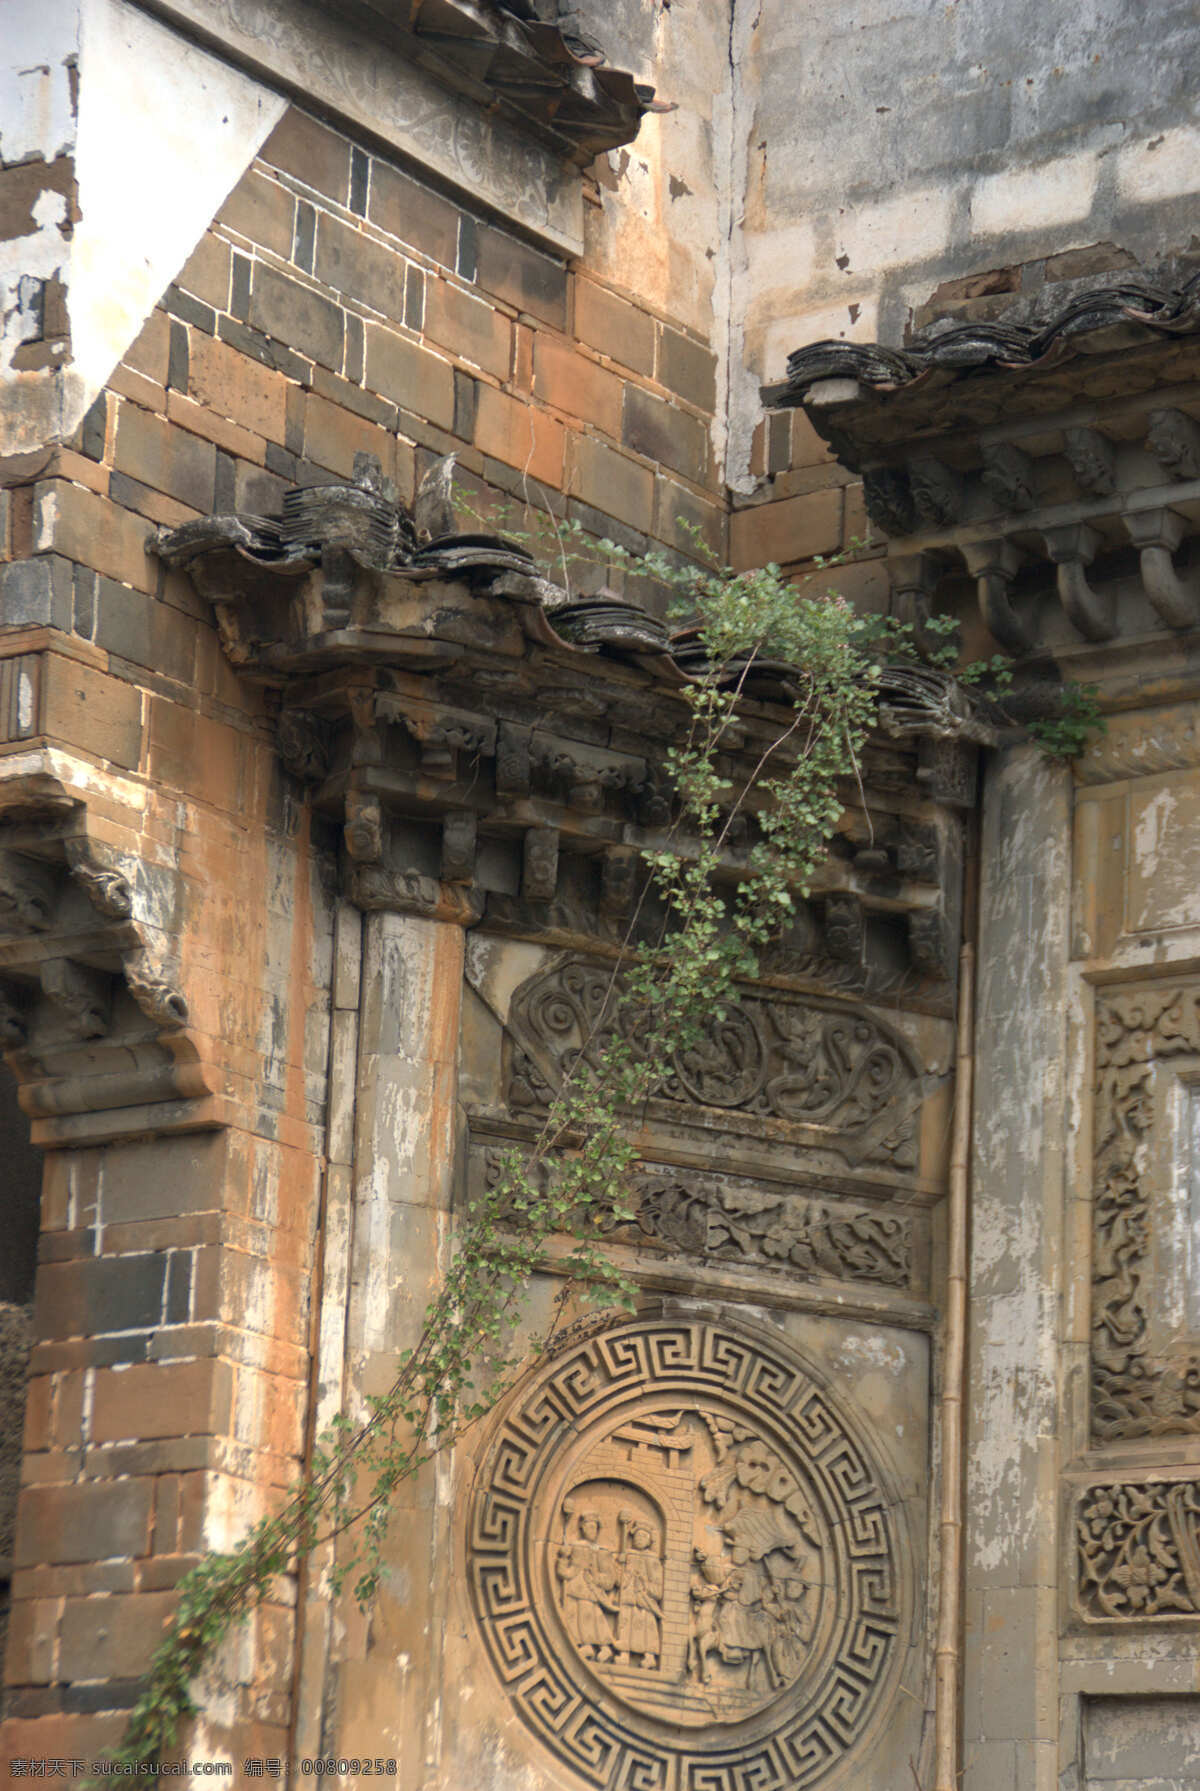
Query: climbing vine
{"x": 699, "y": 930}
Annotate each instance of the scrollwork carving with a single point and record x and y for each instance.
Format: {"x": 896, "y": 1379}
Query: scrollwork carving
{"x": 679, "y": 1537}
{"x": 1138, "y": 1551}
{"x": 1134, "y": 1392}
{"x": 833, "y": 1069}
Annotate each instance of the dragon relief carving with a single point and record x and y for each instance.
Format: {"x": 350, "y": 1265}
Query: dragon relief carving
{"x": 830, "y": 1072}
{"x": 1139, "y": 1550}
{"x": 1135, "y": 1392}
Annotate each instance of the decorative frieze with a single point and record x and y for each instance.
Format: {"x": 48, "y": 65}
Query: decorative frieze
{"x": 749, "y": 1224}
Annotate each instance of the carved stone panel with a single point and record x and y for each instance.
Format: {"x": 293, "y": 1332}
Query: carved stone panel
{"x": 1145, "y": 1345}
{"x": 1138, "y": 1551}
{"x": 747, "y": 1224}
{"x": 685, "y": 1562}
{"x": 825, "y": 1073}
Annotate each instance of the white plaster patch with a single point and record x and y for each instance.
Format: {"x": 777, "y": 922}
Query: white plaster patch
{"x": 165, "y": 132}
{"x": 913, "y": 226}
{"x": 1024, "y": 199}
{"x": 1149, "y": 830}
{"x": 40, "y": 39}
{"x": 1161, "y": 167}
{"x": 858, "y": 1353}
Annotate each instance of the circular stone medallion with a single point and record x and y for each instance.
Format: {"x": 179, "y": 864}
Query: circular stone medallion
{"x": 685, "y": 1562}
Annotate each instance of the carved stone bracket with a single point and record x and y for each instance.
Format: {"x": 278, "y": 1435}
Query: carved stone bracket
{"x": 1137, "y": 1552}
{"x": 1031, "y": 450}
{"x": 91, "y": 1017}
{"x": 467, "y": 724}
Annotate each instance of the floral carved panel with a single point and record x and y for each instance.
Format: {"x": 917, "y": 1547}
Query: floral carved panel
{"x": 827, "y": 1074}
{"x": 1138, "y": 1551}
{"x": 1145, "y": 1370}
{"x": 686, "y": 1565}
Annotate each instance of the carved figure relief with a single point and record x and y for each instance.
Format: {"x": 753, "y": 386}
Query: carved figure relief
{"x": 832, "y": 1070}
{"x": 1136, "y": 1390}
{"x": 684, "y": 1563}
{"x": 1139, "y": 1550}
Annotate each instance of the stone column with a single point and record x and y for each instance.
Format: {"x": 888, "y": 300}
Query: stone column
{"x": 1010, "y": 1728}
{"x": 384, "y": 1696}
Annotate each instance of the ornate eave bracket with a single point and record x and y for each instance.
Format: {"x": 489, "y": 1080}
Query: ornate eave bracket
{"x": 92, "y": 1020}
{"x": 1052, "y": 465}
{"x": 491, "y": 745}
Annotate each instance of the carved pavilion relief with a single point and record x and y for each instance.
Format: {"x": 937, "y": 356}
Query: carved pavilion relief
{"x": 687, "y": 1561}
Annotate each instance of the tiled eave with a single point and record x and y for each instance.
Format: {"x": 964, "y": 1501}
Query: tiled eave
{"x": 541, "y": 78}
{"x": 1052, "y": 462}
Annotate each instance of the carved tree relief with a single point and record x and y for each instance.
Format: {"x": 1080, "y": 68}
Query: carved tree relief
{"x": 685, "y": 1563}
{"x": 832, "y": 1072}
{"x": 1135, "y": 1391}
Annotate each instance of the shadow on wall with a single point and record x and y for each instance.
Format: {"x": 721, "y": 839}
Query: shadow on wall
{"x": 20, "y": 1199}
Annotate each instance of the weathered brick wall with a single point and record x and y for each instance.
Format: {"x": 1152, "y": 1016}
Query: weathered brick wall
{"x": 336, "y": 304}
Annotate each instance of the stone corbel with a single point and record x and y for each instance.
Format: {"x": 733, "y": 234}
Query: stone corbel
{"x": 1072, "y": 548}
{"x": 1093, "y": 460}
{"x": 80, "y": 966}
{"x": 1156, "y": 534}
{"x": 1008, "y": 476}
{"x": 994, "y": 565}
{"x": 938, "y": 491}
{"x": 539, "y": 878}
{"x": 915, "y": 578}
{"x": 1174, "y": 440}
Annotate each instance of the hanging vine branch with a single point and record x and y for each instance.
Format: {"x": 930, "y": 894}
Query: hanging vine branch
{"x": 575, "y": 1177}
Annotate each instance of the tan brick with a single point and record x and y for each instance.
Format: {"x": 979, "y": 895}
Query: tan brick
{"x": 470, "y": 329}
{"x": 146, "y": 392}
{"x": 88, "y": 710}
{"x": 351, "y": 262}
{"x": 675, "y": 505}
{"x": 610, "y": 482}
{"x": 205, "y": 273}
{"x": 39, "y": 1401}
{"x": 168, "y": 1399}
{"x": 404, "y": 208}
{"x": 522, "y": 276}
{"x": 572, "y": 383}
{"x": 613, "y": 326}
{"x": 149, "y": 351}
{"x": 215, "y": 428}
{"x": 514, "y": 431}
{"x": 93, "y": 1521}
{"x": 22, "y": 185}
{"x": 234, "y": 386}
{"x": 864, "y": 583}
{"x": 858, "y": 531}
{"x": 294, "y": 314}
{"x": 807, "y": 448}
{"x": 189, "y": 751}
{"x": 410, "y": 375}
{"x": 92, "y": 531}
{"x": 687, "y": 368}
{"x": 311, "y": 152}
{"x": 111, "y": 1637}
{"x": 793, "y": 529}
{"x": 166, "y": 458}
{"x": 333, "y": 435}
{"x": 262, "y": 210}
{"x": 32, "y": 1641}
